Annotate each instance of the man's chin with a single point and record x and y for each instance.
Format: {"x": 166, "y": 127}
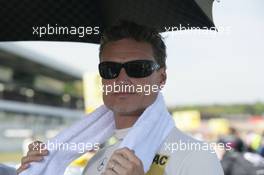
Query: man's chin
{"x": 122, "y": 110}
{"x": 123, "y": 96}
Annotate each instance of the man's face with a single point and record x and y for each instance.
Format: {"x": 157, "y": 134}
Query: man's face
{"x": 130, "y": 103}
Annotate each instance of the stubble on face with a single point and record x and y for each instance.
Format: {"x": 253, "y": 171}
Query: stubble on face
{"x": 128, "y": 104}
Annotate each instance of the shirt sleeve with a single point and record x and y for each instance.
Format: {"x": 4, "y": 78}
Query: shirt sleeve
{"x": 5, "y": 170}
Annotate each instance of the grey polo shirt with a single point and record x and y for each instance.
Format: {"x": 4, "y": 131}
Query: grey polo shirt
{"x": 168, "y": 160}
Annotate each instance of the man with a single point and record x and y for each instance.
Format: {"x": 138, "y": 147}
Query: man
{"x": 135, "y": 55}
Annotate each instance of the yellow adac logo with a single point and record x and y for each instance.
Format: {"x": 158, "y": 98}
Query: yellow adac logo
{"x": 158, "y": 165}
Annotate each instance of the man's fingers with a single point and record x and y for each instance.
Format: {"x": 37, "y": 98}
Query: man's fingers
{"x": 124, "y": 161}
{"x": 27, "y": 159}
{"x": 109, "y": 172}
{"x": 25, "y": 162}
{"x": 37, "y": 145}
{"x": 38, "y": 153}
{"x": 117, "y": 167}
{"x": 127, "y": 153}
{"x": 22, "y": 168}
{"x": 118, "y": 158}
{"x": 130, "y": 155}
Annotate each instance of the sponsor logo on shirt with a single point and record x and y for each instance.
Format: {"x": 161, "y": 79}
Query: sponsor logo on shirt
{"x": 158, "y": 165}
{"x": 101, "y": 164}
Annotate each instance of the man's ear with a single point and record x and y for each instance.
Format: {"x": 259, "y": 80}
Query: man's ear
{"x": 163, "y": 76}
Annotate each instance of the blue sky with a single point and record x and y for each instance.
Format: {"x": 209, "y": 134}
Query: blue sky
{"x": 226, "y": 67}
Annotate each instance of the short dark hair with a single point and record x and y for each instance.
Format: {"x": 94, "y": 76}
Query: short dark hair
{"x": 128, "y": 29}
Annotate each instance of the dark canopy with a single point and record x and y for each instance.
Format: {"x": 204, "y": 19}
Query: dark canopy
{"x": 17, "y": 18}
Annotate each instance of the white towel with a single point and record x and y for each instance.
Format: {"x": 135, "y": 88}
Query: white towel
{"x": 145, "y": 137}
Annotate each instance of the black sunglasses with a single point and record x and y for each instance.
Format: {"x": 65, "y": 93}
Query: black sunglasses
{"x": 135, "y": 69}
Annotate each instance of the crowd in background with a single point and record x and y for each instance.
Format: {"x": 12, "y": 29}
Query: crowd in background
{"x": 246, "y": 156}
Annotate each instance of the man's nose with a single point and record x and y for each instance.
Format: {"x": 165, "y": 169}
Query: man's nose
{"x": 122, "y": 77}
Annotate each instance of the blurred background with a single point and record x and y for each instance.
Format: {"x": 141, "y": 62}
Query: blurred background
{"x": 214, "y": 88}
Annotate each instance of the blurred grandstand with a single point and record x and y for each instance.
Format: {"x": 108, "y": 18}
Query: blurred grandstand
{"x": 38, "y": 97}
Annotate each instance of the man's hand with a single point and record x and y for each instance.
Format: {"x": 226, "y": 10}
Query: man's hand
{"x": 36, "y": 152}
{"x": 124, "y": 162}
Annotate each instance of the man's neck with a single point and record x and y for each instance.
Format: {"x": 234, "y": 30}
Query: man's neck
{"x": 125, "y": 121}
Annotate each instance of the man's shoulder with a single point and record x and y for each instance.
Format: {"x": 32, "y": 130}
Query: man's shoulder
{"x": 176, "y": 135}
{"x": 185, "y": 152}
{"x": 178, "y": 141}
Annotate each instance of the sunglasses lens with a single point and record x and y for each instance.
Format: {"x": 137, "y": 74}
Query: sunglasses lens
{"x": 136, "y": 69}
{"x": 139, "y": 68}
{"x": 109, "y": 70}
